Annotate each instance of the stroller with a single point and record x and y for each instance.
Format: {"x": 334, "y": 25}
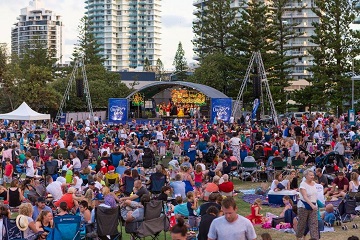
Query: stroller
{"x": 311, "y": 156}
{"x": 344, "y": 212}
{"x": 327, "y": 163}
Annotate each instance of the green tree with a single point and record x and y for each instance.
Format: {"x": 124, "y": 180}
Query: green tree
{"x": 38, "y": 54}
{"x": 87, "y": 45}
{"x": 337, "y": 44}
{"x": 159, "y": 70}
{"x": 147, "y": 65}
{"x": 256, "y": 33}
{"x": 102, "y": 84}
{"x": 283, "y": 59}
{"x": 213, "y": 27}
{"x": 211, "y": 73}
{"x": 180, "y": 63}
{"x": 3, "y": 60}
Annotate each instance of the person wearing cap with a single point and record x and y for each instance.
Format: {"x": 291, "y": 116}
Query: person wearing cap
{"x": 40, "y": 205}
{"x": 90, "y": 192}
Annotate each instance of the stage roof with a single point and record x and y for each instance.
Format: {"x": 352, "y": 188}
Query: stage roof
{"x": 153, "y": 88}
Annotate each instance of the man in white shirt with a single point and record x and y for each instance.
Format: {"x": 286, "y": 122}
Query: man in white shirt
{"x": 30, "y": 171}
{"x": 54, "y": 188}
{"x": 87, "y": 122}
{"x": 75, "y": 162}
{"x": 231, "y": 225}
{"x": 61, "y": 143}
{"x": 61, "y": 179}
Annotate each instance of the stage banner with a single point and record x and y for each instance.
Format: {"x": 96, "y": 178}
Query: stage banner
{"x": 255, "y": 108}
{"x": 221, "y": 107}
{"x": 351, "y": 116}
{"x": 118, "y": 110}
{"x": 63, "y": 119}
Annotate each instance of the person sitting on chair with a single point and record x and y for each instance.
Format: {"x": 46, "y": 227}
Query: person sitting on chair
{"x": 155, "y": 179}
{"x": 137, "y": 210}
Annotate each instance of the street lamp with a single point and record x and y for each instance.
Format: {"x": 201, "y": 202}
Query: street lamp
{"x": 353, "y": 78}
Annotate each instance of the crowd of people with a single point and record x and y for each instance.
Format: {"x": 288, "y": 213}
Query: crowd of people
{"x": 187, "y": 163}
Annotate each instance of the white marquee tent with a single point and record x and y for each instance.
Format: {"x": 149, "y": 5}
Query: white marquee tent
{"x": 24, "y": 112}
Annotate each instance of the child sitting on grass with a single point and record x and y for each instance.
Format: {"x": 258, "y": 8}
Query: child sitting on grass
{"x": 256, "y": 217}
{"x": 329, "y": 216}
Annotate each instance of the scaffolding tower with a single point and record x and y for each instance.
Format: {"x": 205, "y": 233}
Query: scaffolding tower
{"x": 79, "y": 63}
{"x": 257, "y": 59}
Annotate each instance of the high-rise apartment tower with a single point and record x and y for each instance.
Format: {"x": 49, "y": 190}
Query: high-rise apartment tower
{"x": 129, "y": 31}
{"x": 37, "y": 23}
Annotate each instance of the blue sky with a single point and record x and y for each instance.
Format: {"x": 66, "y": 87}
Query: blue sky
{"x": 176, "y": 24}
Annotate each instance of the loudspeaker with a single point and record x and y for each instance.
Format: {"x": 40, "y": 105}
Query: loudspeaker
{"x": 257, "y": 86}
{"x": 79, "y": 87}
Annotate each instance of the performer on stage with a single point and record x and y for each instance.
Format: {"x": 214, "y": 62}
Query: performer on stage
{"x": 168, "y": 109}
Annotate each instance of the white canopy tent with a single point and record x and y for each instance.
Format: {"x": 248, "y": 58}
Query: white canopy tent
{"x": 25, "y": 113}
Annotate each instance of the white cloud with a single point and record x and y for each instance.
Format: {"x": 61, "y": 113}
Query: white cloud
{"x": 176, "y": 24}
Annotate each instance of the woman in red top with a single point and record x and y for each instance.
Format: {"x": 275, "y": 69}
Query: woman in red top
{"x": 70, "y": 199}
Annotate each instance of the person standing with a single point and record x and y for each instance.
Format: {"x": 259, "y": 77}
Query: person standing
{"x": 206, "y": 220}
{"x": 30, "y": 171}
{"x": 307, "y": 207}
{"x": 231, "y": 225}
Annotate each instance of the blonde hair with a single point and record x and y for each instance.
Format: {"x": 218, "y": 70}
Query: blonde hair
{"x": 258, "y": 201}
{"x": 71, "y": 190}
{"x": 42, "y": 214}
{"x": 26, "y": 209}
{"x": 354, "y": 176}
{"x": 105, "y": 190}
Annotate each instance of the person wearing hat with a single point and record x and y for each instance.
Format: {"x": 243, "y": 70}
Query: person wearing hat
{"x": 277, "y": 157}
{"x": 40, "y": 205}
{"x": 112, "y": 178}
{"x": 90, "y": 192}
{"x": 24, "y": 220}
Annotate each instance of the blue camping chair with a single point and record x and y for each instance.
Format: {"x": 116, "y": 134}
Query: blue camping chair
{"x": 11, "y": 230}
{"x": 192, "y": 155}
{"x": 66, "y": 227}
{"x": 187, "y": 145}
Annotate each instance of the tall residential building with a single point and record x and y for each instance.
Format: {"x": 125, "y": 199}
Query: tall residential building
{"x": 37, "y": 22}
{"x": 303, "y": 16}
{"x": 128, "y": 30}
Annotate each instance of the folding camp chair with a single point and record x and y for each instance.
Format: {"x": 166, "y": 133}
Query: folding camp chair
{"x": 155, "y": 221}
{"x": 157, "y": 184}
{"x": 107, "y": 222}
{"x": 248, "y": 169}
{"x": 11, "y": 230}
{"x": 66, "y": 227}
{"x": 128, "y": 186}
{"x": 234, "y": 172}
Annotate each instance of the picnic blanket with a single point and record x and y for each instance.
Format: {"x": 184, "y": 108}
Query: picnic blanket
{"x": 250, "y": 198}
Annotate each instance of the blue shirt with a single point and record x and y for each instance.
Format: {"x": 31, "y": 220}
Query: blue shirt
{"x": 37, "y": 211}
